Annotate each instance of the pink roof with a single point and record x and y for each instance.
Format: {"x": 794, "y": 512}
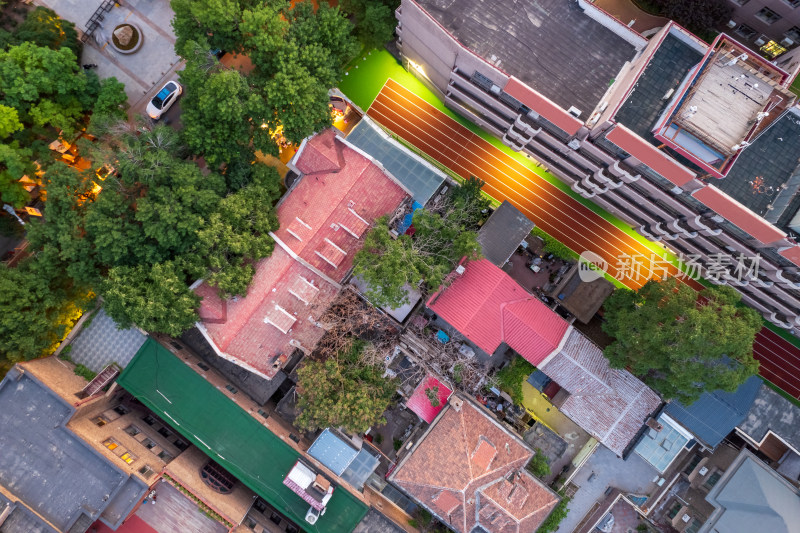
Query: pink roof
{"x": 650, "y": 155}
{"x": 543, "y": 106}
{"x": 256, "y": 329}
{"x": 421, "y": 404}
{"x": 610, "y": 404}
{"x": 738, "y": 214}
{"x": 488, "y": 307}
{"x": 286, "y": 298}
{"x": 327, "y": 213}
{"x": 792, "y": 254}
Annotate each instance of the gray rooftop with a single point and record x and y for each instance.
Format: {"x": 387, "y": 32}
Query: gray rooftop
{"x": 766, "y": 173}
{"x": 752, "y": 497}
{"x": 21, "y": 519}
{"x": 375, "y": 522}
{"x": 666, "y": 69}
{"x": 771, "y": 411}
{"x": 412, "y": 171}
{"x": 549, "y": 44}
{"x": 502, "y": 234}
{"x": 101, "y": 343}
{"x": 49, "y": 468}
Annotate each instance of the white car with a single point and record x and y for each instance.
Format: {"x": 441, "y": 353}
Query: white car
{"x": 164, "y": 99}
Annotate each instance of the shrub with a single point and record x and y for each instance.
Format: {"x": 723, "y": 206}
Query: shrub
{"x": 539, "y": 466}
{"x": 558, "y": 514}
{"x": 84, "y": 372}
{"x": 552, "y": 246}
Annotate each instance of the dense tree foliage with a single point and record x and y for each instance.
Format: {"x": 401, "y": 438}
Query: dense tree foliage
{"x": 375, "y": 20}
{"x": 157, "y": 225}
{"x": 343, "y": 391}
{"x": 296, "y": 53}
{"x": 44, "y": 95}
{"x": 43, "y": 27}
{"x": 441, "y": 240}
{"x": 680, "y": 345}
{"x": 700, "y": 17}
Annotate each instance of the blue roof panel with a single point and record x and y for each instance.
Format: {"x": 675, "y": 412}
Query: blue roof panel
{"x": 333, "y": 452}
{"x": 716, "y": 414}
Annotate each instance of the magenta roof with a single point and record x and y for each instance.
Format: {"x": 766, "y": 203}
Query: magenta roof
{"x": 739, "y": 215}
{"x": 543, "y": 106}
{"x": 421, "y": 404}
{"x": 650, "y": 155}
{"x": 488, "y": 307}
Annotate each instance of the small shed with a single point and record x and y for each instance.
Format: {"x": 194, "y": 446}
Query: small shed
{"x": 423, "y": 405}
{"x": 582, "y": 299}
{"x": 505, "y": 230}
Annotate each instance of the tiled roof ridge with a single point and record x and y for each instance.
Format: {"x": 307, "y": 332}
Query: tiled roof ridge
{"x": 461, "y": 423}
{"x": 435, "y": 487}
{"x": 607, "y": 386}
{"x": 625, "y": 411}
{"x": 338, "y": 149}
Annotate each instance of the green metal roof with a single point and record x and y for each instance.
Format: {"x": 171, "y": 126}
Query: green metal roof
{"x": 229, "y": 435}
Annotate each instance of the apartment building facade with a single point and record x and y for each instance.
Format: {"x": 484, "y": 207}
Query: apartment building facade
{"x": 773, "y": 25}
{"x": 693, "y": 145}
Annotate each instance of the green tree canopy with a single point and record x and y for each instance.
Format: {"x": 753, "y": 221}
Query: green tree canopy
{"x": 343, "y": 391}
{"x": 154, "y": 298}
{"x": 388, "y": 266}
{"x": 681, "y": 345}
{"x": 36, "y": 311}
{"x": 43, "y": 27}
{"x": 375, "y": 20}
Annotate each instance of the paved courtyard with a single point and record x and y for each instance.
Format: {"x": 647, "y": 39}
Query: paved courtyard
{"x": 605, "y": 469}
{"x": 142, "y": 72}
{"x": 100, "y": 343}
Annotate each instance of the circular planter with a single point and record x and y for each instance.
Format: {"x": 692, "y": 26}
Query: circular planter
{"x": 134, "y": 39}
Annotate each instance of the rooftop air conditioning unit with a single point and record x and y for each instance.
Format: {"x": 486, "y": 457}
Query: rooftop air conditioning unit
{"x": 761, "y": 41}
{"x": 731, "y": 24}
{"x": 787, "y": 42}
{"x": 703, "y": 471}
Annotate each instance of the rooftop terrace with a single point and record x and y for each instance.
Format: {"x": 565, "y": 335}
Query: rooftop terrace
{"x": 515, "y": 35}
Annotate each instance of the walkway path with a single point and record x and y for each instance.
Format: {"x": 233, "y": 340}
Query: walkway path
{"x": 563, "y": 217}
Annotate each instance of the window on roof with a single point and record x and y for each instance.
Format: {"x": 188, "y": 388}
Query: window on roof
{"x": 121, "y": 410}
{"x": 793, "y": 33}
{"x": 100, "y": 421}
{"x": 146, "y": 471}
{"x": 181, "y": 444}
{"x": 231, "y": 388}
{"x": 260, "y": 505}
{"x": 111, "y": 444}
{"x": 164, "y": 456}
{"x": 149, "y": 444}
{"x": 132, "y": 430}
{"x": 674, "y": 510}
{"x": 165, "y": 432}
{"x": 793, "y": 3}
{"x": 216, "y": 477}
{"x": 203, "y": 366}
{"x": 692, "y": 464}
{"x": 768, "y": 16}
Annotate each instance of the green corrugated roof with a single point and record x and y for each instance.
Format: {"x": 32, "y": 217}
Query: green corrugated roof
{"x": 229, "y": 435}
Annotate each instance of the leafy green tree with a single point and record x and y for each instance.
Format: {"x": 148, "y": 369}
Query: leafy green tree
{"x": 9, "y": 121}
{"x": 343, "y": 391}
{"x": 154, "y": 298}
{"x": 389, "y": 265}
{"x": 15, "y": 162}
{"x": 237, "y": 234}
{"x": 539, "y": 465}
{"x": 112, "y": 102}
{"x": 326, "y": 29}
{"x": 375, "y": 20}
{"x": 43, "y": 27}
{"x": 35, "y": 313}
{"x": 511, "y": 377}
{"x": 216, "y": 21}
{"x": 216, "y": 114}
{"x": 680, "y": 344}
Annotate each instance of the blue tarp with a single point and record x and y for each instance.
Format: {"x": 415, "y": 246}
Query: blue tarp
{"x": 409, "y": 218}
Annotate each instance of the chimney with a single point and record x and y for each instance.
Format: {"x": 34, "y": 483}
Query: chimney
{"x": 456, "y": 403}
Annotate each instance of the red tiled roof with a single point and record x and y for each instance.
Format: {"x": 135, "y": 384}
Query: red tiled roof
{"x": 285, "y": 295}
{"x": 792, "y": 254}
{"x": 244, "y": 335}
{"x": 610, "y": 404}
{"x": 343, "y": 183}
{"x": 442, "y": 473}
{"x": 738, "y": 214}
{"x": 650, "y": 155}
{"x": 488, "y": 307}
{"x": 421, "y": 404}
{"x": 543, "y": 106}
